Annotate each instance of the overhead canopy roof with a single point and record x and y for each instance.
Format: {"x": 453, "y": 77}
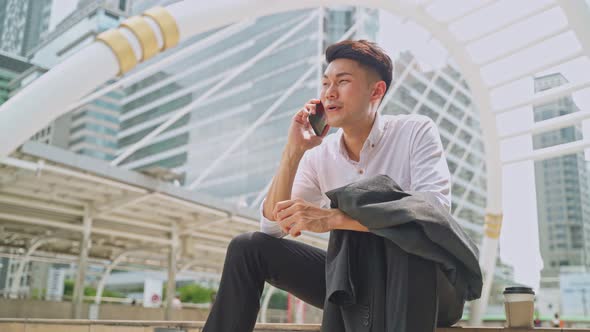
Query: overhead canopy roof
{"x": 46, "y": 192}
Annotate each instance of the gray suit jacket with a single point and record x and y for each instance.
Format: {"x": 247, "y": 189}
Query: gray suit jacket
{"x": 413, "y": 271}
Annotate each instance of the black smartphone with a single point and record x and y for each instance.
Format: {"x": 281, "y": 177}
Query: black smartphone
{"x": 318, "y": 120}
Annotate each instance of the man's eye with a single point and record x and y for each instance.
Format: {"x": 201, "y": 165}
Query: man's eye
{"x": 343, "y": 81}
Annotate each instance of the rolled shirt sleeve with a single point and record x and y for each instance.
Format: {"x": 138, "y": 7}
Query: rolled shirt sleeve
{"x": 305, "y": 186}
{"x": 429, "y": 168}
{"x": 268, "y": 226}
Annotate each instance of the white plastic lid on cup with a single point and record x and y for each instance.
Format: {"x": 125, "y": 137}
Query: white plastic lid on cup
{"x": 519, "y": 294}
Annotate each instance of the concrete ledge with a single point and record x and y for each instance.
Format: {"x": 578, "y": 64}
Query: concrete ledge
{"x": 73, "y": 325}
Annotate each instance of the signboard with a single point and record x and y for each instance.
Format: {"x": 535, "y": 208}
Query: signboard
{"x": 575, "y": 294}
{"x": 152, "y": 293}
{"x": 55, "y": 284}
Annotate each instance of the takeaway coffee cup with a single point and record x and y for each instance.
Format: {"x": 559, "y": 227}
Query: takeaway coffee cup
{"x": 519, "y": 306}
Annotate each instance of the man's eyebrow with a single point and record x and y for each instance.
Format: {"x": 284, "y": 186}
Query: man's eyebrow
{"x": 339, "y": 74}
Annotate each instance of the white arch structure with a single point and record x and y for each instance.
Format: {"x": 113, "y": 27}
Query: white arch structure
{"x": 35, "y": 244}
{"x": 109, "y": 268}
{"x": 119, "y": 50}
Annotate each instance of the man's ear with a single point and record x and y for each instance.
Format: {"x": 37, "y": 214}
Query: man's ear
{"x": 378, "y": 91}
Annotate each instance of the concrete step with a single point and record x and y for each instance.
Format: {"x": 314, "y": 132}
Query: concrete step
{"x": 73, "y": 325}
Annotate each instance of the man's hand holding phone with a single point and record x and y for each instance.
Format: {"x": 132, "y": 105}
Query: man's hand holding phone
{"x": 302, "y": 136}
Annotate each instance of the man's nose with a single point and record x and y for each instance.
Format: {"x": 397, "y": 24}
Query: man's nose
{"x": 331, "y": 92}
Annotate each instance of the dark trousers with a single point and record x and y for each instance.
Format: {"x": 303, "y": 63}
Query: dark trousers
{"x": 252, "y": 259}
{"x": 298, "y": 268}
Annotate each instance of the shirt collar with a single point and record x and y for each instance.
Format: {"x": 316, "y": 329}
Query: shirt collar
{"x": 373, "y": 138}
{"x": 377, "y": 130}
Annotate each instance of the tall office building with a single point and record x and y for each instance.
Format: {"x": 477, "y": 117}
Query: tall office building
{"x": 563, "y": 201}
{"x": 22, "y": 24}
{"x": 91, "y": 129}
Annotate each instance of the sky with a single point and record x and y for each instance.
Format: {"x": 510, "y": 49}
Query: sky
{"x": 519, "y": 241}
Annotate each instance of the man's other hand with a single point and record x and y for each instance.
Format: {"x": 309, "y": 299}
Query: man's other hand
{"x": 297, "y": 215}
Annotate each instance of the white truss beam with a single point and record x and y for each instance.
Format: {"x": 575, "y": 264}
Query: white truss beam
{"x": 546, "y": 96}
{"x": 551, "y": 152}
{"x": 510, "y": 23}
{"x": 525, "y": 46}
{"x": 550, "y": 124}
{"x": 537, "y": 69}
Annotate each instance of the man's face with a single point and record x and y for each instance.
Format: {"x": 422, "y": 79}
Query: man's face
{"x": 346, "y": 92}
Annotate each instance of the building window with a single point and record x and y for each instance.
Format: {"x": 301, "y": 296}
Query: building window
{"x": 427, "y": 111}
{"x": 436, "y": 98}
{"x": 448, "y": 126}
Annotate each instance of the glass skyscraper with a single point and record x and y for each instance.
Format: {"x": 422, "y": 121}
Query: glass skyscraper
{"x": 22, "y": 24}
{"x": 563, "y": 201}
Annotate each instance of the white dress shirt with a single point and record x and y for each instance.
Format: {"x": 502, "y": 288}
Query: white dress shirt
{"x": 407, "y": 148}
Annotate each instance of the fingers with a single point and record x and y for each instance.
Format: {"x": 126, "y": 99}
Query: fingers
{"x": 288, "y": 208}
{"x": 309, "y": 108}
{"x": 287, "y": 212}
{"x": 281, "y": 206}
{"x": 301, "y": 116}
{"x": 285, "y": 224}
{"x": 311, "y": 105}
{"x": 295, "y": 231}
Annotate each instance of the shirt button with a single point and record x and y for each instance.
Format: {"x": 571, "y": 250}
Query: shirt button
{"x": 361, "y": 171}
{"x": 372, "y": 145}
